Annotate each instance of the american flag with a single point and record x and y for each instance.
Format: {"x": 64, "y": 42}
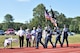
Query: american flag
{"x": 54, "y": 21}
{"x": 47, "y": 16}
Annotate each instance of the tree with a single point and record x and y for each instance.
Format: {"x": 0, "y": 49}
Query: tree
{"x": 76, "y": 21}
{"x": 38, "y": 16}
{"x": 8, "y": 20}
{"x": 1, "y": 26}
{"x": 61, "y": 19}
{"x": 17, "y": 26}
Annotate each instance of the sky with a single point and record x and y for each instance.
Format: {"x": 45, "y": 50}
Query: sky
{"x": 22, "y": 10}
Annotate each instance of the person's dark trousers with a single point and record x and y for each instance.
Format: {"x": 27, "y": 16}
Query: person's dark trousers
{"x": 66, "y": 42}
{"x": 65, "y": 37}
{"x": 21, "y": 40}
{"x": 28, "y": 42}
{"x": 58, "y": 39}
{"x": 37, "y": 43}
{"x": 47, "y": 40}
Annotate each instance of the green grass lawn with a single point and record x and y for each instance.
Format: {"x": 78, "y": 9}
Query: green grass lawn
{"x": 72, "y": 40}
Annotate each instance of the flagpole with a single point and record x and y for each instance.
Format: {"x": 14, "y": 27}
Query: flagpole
{"x": 50, "y": 6}
{"x": 46, "y": 23}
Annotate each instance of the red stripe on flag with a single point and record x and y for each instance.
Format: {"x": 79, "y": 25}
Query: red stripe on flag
{"x": 54, "y": 21}
{"x": 47, "y": 15}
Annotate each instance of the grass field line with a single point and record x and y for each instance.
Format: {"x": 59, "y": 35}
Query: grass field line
{"x": 50, "y": 50}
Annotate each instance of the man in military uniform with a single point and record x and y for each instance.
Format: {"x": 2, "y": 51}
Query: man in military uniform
{"x": 65, "y": 35}
{"x": 48, "y": 37}
{"x": 38, "y": 37}
{"x": 58, "y": 35}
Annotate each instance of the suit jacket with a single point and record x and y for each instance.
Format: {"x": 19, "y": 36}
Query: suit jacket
{"x": 39, "y": 33}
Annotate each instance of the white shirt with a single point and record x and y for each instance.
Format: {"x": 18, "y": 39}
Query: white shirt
{"x": 65, "y": 29}
{"x": 33, "y": 31}
{"x": 21, "y": 32}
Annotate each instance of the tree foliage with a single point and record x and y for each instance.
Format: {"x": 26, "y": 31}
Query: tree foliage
{"x": 8, "y": 18}
{"x": 8, "y": 21}
{"x": 38, "y": 16}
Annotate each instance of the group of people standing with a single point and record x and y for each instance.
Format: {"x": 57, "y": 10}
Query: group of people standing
{"x": 36, "y": 34}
